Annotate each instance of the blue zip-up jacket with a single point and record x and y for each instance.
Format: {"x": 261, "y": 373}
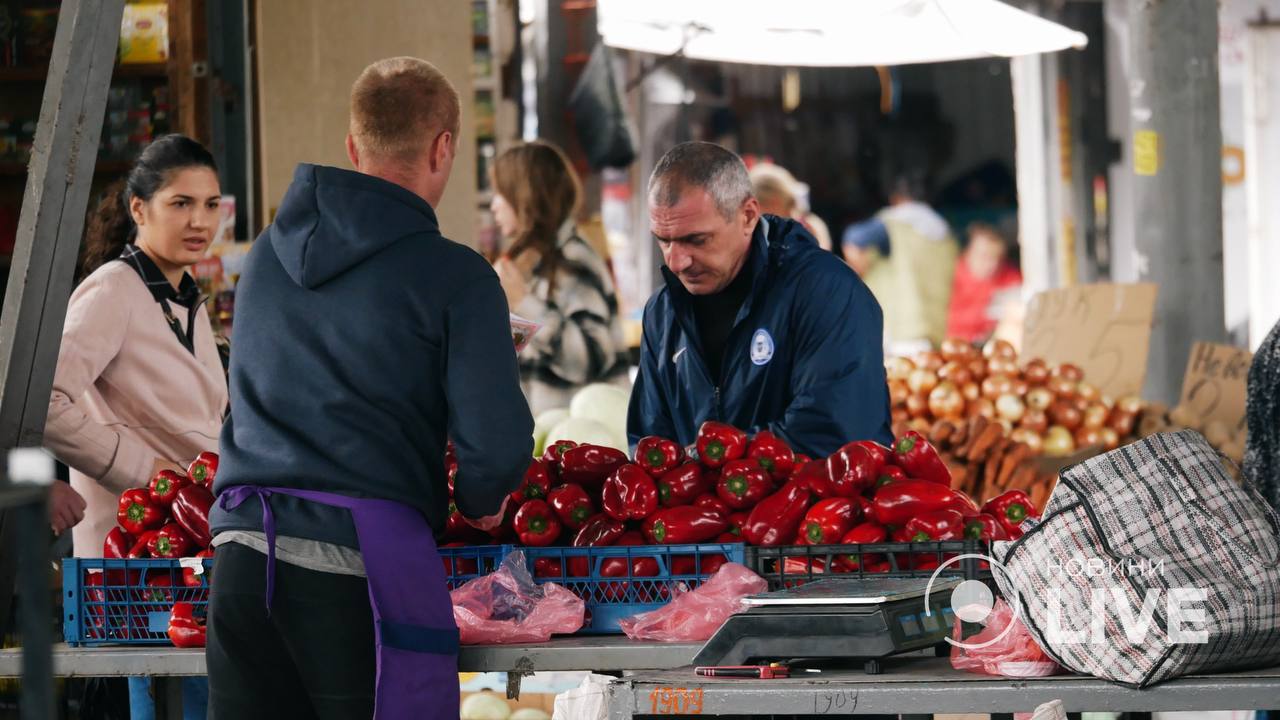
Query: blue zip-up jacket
{"x": 362, "y": 337}
{"x": 805, "y": 358}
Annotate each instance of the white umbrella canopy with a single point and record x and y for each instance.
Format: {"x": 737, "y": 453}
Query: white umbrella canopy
{"x": 830, "y": 33}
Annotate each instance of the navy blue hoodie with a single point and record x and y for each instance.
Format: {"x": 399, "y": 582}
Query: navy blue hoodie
{"x": 805, "y": 357}
{"x": 362, "y": 337}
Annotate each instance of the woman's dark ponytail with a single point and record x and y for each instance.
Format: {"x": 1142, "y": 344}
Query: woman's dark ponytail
{"x": 110, "y": 226}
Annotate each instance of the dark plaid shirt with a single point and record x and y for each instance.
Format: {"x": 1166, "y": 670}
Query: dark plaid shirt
{"x": 187, "y": 293}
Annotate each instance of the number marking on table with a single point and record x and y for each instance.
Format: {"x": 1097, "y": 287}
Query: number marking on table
{"x": 675, "y": 701}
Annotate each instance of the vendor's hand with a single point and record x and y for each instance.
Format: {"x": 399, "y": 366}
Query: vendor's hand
{"x": 162, "y": 464}
{"x": 66, "y": 507}
{"x": 513, "y": 282}
{"x": 489, "y": 523}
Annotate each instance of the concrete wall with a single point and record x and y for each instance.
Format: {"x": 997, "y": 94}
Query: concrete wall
{"x": 309, "y": 53}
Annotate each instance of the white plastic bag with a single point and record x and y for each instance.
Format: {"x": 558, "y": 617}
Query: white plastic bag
{"x": 588, "y": 701}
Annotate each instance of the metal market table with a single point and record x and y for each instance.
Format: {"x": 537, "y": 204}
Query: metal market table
{"x": 926, "y": 685}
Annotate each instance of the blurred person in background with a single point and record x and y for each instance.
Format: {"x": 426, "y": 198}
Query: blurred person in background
{"x": 907, "y": 256}
{"x": 985, "y": 279}
{"x": 779, "y": 193}
{"x": 551, "y": 275}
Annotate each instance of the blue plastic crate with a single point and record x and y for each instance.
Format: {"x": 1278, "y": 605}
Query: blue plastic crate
{"x": 125, "y": 602}
{"x": 470, "y": 562}
{"x": 786, "y": 566}
{"x": 606, "y": 578}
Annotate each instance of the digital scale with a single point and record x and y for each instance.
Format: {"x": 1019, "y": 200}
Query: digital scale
{"x": 863, "y": 619}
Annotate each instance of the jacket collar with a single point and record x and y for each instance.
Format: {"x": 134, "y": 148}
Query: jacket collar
{"x": 187, "y": 294}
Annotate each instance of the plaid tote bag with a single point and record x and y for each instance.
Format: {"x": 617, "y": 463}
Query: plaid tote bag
{"x": 1150, "y": 563}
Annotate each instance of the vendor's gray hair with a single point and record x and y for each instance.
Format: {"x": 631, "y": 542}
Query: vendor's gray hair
{"x": 702, "y": 165}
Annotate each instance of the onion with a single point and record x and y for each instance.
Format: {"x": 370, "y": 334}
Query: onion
{"x": 1065, "y": 414}
{"x": 1110, "y": 439}
{"x": 997, "y": 385}
{"x": 1061, "y": 387}
{"x": 971, "y": 391}
{"x": 946, "y": 402}
{"x": 1058, "y": 442}
{"x": 956, "y": 372}
{"x": 1010, "y": 407}
{"x": 1122, "y": 422}
{"x": 1069, "y": 371}
{"x": 1095, "y": 416}
{"x": 1035, "y": 420}
{"x": 922, "y": 381}
{"x": 1088, "y": 437}
{"x": 1030, "y": 438}
{"x": 983, "y": 407}
{"x": 956, "y": 348}
{"x": 1000, "y": 349}
{"x": 1036, "y": 372}
{"x": 898, "y": 392}
{"x": 1088, "y": 392}
{"x": 1130, "y": 404}
{"x": 1002, "y": 366}
{"x": 929, "y": 360}
{"x": 917, "y": 405}
{"x": 898, "y": 368}
{"x": 1039, "y": 398}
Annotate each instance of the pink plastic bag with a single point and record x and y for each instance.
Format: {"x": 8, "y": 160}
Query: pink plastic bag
{"x": 507, "y": 606}
{"x": 697, "y": 614}
{"x": 992, "y": 651}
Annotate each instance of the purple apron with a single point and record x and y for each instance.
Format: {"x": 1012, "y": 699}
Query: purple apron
{"x": 415, "y": 635}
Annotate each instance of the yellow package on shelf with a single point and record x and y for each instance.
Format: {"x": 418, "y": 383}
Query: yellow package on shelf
{"x": 144, "y": 33}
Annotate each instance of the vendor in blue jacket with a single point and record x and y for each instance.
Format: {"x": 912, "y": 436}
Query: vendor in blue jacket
{"x": 757, "y": 326}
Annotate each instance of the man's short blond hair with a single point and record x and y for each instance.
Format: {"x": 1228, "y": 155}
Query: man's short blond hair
{"x": 399, "y": 106}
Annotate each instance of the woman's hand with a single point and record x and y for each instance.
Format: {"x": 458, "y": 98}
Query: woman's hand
{"x": 513, "y": 281}
{"x": 66, "y": 507}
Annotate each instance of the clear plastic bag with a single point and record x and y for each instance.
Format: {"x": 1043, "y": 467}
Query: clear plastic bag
{"x": 507, "y": 606}
{"x": 697, "y": 614}
{"x": 992, "y": 651}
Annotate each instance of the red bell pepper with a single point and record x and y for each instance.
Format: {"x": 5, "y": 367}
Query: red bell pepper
{"x": 136, "y": 512}
{"x": 204, "y": 469}
{"x": 164, "y": 487}
{"x": 683, "y": 524}
{"x": 572, "y": 505}
{"x": 117, "y": 544}
{"x": 828, "y": 521}
{"x": 641, "y": 566}
{"x": 852, "y": 469}
{"x": 813, "y": 475}
{"x": 629, "y": 494}
{"x": 742, "y": 484}
{"x": 920, "y": 459}
{"x": 984, "y": 527}
{"x": 888, "y": 474}
{"x": 898, "y": 502}
{"x": 711, "y": 501}
{"x": 882, "y": 454}
{"x": 546, "y": 567}
{"x": 718, "y": 443}
{"x": 865, "y": 533}
{"x": 737, "y": 521}
{"x": 191, "y": 511}
{"x": 536, "y": 484}
{"x": 777, "y": 518}
{"x": 139, "y": 549}
{"x": 682, "y": 485}
{"x": 1010, "y": 509}
{"x": 185, "y": 630}
{"x": 169, "y": 542}
{"x": 551, "y": 456}
{"x": 773, "y": 454}
{"x": 801, "y": 460}
{"x": 159, "y": 590}
{"x": 658, "y": 455}
{"x": 190, "y": 577}
{"x": 590, "y": 465}
{"x": 936, "y": 525}
{"x": 450, "y": 465}
{"x": 599, "y": 531}
{"x": 455, "y": 566}
{"x": 709, "y": 564}
{"x": 537, "y": 524}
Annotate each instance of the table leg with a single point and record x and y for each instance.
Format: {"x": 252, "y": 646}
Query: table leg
{"x": 168, "y": 697}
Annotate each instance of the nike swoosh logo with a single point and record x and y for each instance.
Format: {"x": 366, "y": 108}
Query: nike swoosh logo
{"x": 679, "y": 352}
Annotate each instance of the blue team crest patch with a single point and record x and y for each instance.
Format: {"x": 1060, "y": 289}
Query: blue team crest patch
{"x": 761, "y": 347}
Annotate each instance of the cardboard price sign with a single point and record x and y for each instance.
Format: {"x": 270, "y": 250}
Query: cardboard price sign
{"x": 1216, "y": 384}
{"x": 1103, "y": 328}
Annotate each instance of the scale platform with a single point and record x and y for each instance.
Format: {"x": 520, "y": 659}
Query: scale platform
{"x": 846, "y": 618}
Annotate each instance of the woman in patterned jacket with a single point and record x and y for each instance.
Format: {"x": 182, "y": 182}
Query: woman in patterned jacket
{"x": 552, "y": 276}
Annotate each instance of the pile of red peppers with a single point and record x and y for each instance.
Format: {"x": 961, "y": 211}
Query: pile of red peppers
{"x": 169, "y": 518}
{"x": 730, "y": 486}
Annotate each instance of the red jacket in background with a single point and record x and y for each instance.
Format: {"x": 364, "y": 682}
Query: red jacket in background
{"x": 968, "y": 316}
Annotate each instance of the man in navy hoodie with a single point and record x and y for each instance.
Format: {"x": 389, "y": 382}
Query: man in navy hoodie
{"x": 756, "y": 326}
{"x": 363, "y": 340}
